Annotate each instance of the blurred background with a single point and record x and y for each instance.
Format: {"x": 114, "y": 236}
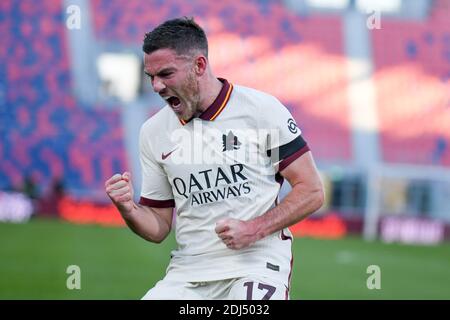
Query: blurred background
{"x": 367, "y": 81}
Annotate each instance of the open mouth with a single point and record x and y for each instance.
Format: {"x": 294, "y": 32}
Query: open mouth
{"x": 174, "y": 102}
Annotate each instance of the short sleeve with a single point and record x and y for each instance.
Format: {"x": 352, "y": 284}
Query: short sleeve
{"x": 284, "y": 137}
{"x": 156, "y": 190}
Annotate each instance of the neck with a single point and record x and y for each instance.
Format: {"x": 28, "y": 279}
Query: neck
{"x": 212, "y": 89}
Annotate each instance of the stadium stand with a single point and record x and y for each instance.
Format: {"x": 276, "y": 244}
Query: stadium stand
{"x": 262, "y": 45}
{"x": 45, "y": 133}
{"x": 412, "y": 76}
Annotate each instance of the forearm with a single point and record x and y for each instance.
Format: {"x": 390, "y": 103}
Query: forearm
{"x": 296, "y": 206}
{"x": 146, "y": 223}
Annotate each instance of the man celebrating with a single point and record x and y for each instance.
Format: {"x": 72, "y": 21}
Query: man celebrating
{"x": 218, "y": 154}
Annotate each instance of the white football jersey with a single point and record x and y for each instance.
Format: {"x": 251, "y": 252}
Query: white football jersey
{"x": 224, "y": 163}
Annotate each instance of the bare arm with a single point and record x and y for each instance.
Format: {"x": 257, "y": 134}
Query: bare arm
{"x": 306, "y": 197}
{"x": 152, "y": 224}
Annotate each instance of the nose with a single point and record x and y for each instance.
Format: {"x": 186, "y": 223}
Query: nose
{"x": 158, "y": 85}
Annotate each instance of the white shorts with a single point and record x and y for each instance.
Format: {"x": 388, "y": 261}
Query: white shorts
{"x": 246, "y": 288}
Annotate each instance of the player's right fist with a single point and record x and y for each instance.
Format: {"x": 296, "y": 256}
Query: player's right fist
{"x": 120, "y": 190}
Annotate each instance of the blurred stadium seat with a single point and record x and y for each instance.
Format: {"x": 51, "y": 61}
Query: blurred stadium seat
{"x": 301, "y": 61}
{"x": 44, "y": 132}
{"x": 412, "y": 60}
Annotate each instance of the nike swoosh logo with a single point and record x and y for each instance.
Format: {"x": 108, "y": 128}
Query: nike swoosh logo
{"x": 164, "y": 156}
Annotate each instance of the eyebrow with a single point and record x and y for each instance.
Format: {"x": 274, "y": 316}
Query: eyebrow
{"x": 165, "y": 70}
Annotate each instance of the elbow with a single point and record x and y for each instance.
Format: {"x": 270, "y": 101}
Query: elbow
{"x": 159, "y": 238}
{"x": 313, "y": 195}
{"x": 156, "y": 240}
{"x": 320, "y": 198}
{"x": 317, "y": 198}
{"x": 162, "y": 235}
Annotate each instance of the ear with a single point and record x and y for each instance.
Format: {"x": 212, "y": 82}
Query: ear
{"x": 201, "y": 64}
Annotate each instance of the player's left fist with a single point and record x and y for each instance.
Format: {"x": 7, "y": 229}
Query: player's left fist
{"x": 236, "y": 234}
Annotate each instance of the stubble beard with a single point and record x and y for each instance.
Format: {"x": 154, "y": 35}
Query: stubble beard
{"x": 193, "y": 104}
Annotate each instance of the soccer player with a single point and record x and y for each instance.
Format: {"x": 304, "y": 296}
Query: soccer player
{"x": 217, "y": 153}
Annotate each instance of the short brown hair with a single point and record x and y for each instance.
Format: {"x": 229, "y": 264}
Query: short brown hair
{"x": 183, "y": 35}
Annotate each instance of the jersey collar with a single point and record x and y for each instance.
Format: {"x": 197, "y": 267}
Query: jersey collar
{"x": 218, "y": 105}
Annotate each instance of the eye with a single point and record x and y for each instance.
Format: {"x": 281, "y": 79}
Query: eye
{"x": 166, "y": 74}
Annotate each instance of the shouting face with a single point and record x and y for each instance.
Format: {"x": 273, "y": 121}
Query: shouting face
{"x": 173, "y": 77}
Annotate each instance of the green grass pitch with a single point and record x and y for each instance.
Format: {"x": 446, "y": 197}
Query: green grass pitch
{"x": 116, "y": 264}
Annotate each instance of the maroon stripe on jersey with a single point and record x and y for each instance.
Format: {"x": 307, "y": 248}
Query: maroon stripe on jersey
{"x": 217, "y": 106}
{"x": 285, "y": 237}
{"x": 218, "y": 103}
{"x": 279, "y": 179}
{"x": 157, "y": 203}
{"x": 285, "y": 162}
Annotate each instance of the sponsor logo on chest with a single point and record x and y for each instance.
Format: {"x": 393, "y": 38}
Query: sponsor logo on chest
{"x": 213, "y": 184}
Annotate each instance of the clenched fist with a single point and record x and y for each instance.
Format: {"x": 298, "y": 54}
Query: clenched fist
{"x": 120, "y": 190}
{"x": 236, "y": 234}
